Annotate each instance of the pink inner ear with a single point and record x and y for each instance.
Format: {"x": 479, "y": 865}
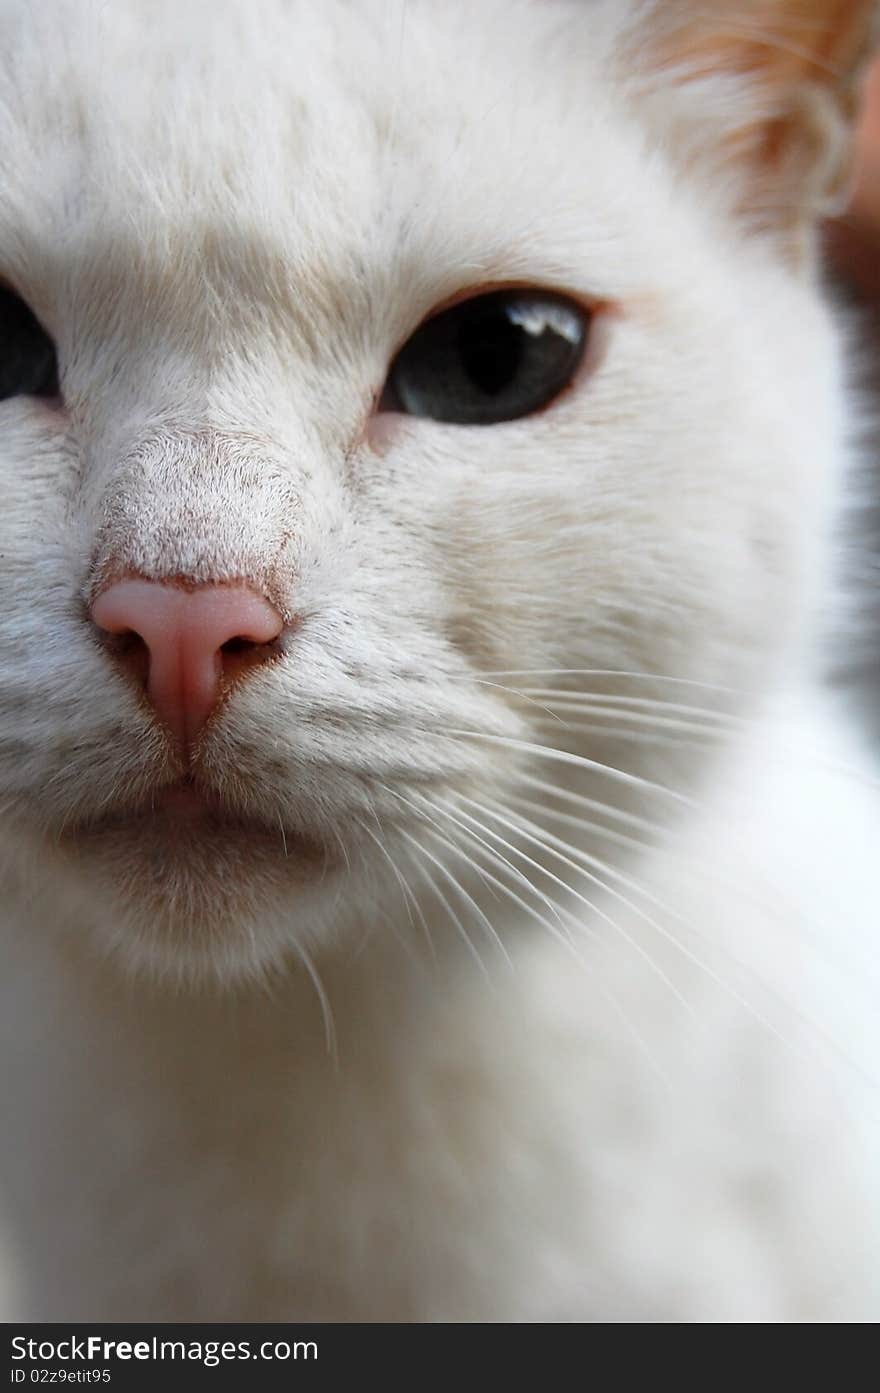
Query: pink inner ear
{"x": 782, "y": 42}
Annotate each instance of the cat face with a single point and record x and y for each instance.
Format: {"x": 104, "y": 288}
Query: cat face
{"x": 230, "y": 219}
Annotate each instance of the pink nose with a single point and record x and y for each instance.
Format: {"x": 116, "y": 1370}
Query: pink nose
{"x": 187, "y": 644}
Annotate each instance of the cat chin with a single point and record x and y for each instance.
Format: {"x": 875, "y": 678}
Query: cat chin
{"x": 191, "y": 900}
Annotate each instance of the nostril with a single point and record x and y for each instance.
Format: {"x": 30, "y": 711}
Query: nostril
{"x": 239, "y": 654}
{"x": 238, "y": 645}
{"x": 128, "y": 649}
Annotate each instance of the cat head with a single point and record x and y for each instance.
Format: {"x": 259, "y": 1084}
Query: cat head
{"x": 463, "y": 356}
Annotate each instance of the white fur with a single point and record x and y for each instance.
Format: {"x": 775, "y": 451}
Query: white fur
{"x": 239, "y": 1083}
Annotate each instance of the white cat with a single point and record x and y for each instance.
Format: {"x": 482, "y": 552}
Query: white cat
{"x": 435, "y": 886}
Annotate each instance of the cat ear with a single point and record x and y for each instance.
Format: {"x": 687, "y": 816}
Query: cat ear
{"x": 766, "y": 90}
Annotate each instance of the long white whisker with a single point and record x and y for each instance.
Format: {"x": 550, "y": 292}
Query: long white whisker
{"x": 421, "y": 809}
{"x": 568, "y": 944}
{"x": 712, "y": 726}
{"x": 605, "y": 672}
{"x": 323, "y": 1000}
{"x": 343, "y": 848}
{"x": 548, "y": 842}
{"x": 637, "y": 1036}
{"x": 655, "y": 833}
{"x": 514, "y": 691}
{"x": 423, "y": 870}
{"x": 667, "y": 740}
{"x": 533, "y": 913}
{"x": 498, "y": 859}
{"x": 646, "y": 718}
{"x": 445, "y": 871}
{"x": 641, "y": 824}
{"x": 636, "y": 946}
{"x": 579, "y": 761}
{"x": 565, "y": 699}
{"x": 409, "y": 898}
{"x": 691, "y": 860}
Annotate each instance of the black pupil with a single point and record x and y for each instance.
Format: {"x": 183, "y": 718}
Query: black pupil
{"x": 28, "y": 365}
{"x": 490, "y": 345}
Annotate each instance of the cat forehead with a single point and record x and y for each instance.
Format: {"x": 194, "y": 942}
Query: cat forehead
{"x": 294, "y": 123}
{"x": 288, "y": 60}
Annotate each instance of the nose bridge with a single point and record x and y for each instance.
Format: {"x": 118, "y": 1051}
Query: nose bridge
{"x": 197, "y": 509}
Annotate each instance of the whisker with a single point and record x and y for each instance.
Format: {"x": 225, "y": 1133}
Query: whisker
{"x": 655, "y": 834}
{"x": 408, "y": 896}
{"x": 445, "y": 871}
{"x": 650, "y": 828}
{"x": 558, "y": 934}
{"x": 324, "y": 1002}
{"x": 665, "y": 740}
{"x": 498, "y": 859}
{"x": 420, "y": 810}
{"x": 515, "y": 691}
{"x": 594, "y": 704}
{"x": 610, "y": 672}
{"x": 568, "y": 944}
{"x": 579, "y": 761}
{"x": 637, "y": 947}
{"x": 432, "y": 949}
{"x": 640, "y": 1041}
{"x": 547, "y": 840}
{"x": 672, "y": 846}
{"x": 344, "y": 849}
{"x": 565, "y": 699}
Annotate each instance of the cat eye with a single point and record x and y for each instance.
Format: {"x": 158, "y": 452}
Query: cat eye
{"x": 491, "y": 358}
{"x": 28, "y": 365}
